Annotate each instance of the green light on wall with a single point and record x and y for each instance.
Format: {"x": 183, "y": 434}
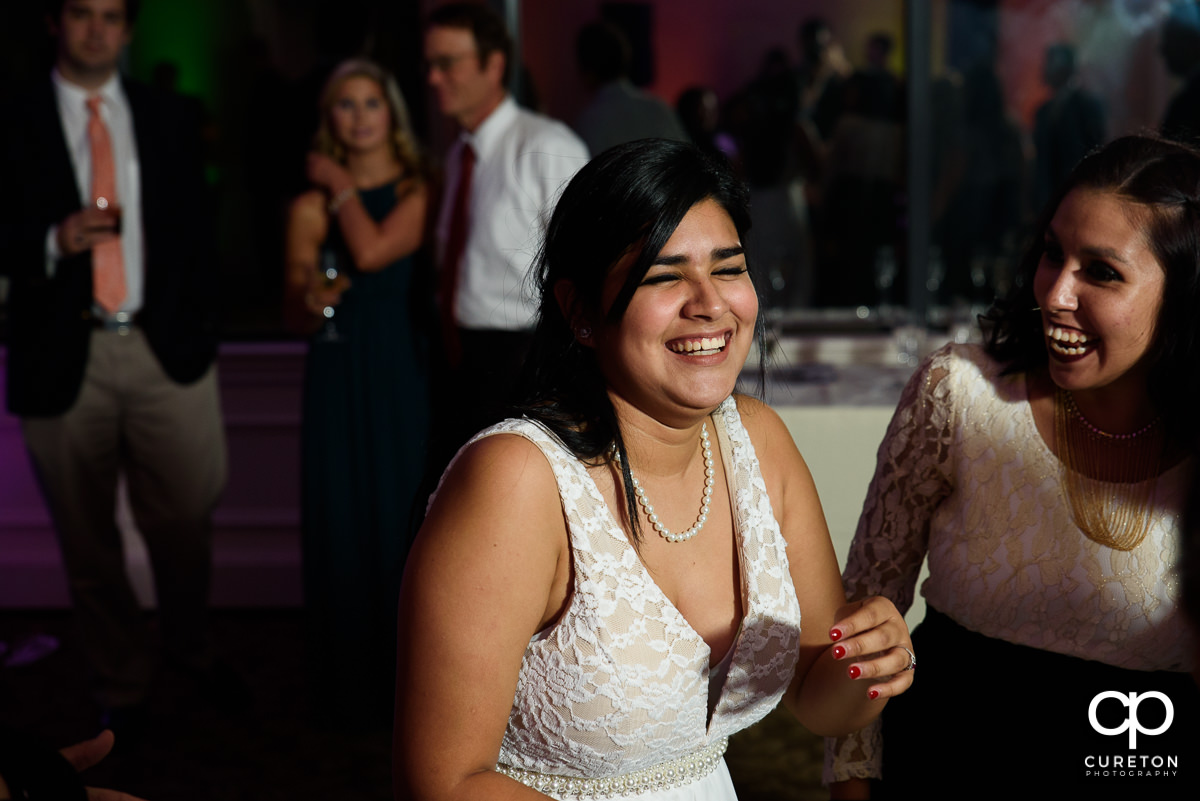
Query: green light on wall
{"x": 181, "y": 32}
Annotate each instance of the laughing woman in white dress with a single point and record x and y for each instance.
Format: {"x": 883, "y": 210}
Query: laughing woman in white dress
{"x": 610, "y": 585}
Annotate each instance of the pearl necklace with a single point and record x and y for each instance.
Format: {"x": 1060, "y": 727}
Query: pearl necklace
{"x": 648, "y": 507}
{"x": 1117, "y": 514}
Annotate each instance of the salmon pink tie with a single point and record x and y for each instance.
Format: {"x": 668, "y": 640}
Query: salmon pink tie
{"x": 108, "y": 268}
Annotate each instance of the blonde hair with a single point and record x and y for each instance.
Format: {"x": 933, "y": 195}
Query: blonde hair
{"x": 404, "y": 143}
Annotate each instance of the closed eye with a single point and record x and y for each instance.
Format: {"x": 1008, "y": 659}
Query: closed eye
{"x": 1101, "y": 271}
{"x": 660, "y": 278}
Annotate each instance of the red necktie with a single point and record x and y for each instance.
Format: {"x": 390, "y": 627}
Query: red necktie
{"x": 456, "y": 243}
{"x": 108, "y": 268}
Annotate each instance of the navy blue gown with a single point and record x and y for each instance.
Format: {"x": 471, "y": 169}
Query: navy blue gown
{"x": 365, "y": 425}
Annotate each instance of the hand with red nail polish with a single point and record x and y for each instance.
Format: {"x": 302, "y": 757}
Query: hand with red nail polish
{"x": 873, "y": 633}
{"x": 856, "y": 662}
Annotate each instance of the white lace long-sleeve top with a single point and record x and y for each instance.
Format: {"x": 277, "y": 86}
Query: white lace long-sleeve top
{"x": 619, "y": 684}
{"x": 964, "y": 477}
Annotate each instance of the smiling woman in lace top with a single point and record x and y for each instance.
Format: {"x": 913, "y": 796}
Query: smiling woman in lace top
{"x": 1043, "y": 475}
{"x": 610, "y": 585}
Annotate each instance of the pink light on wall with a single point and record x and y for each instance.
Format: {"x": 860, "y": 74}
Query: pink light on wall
{"x": 718, "y": 43}
{"x": 1116, "y": 56}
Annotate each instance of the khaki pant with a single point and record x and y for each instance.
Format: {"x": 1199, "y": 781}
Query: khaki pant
{"x": 168, "y": 441}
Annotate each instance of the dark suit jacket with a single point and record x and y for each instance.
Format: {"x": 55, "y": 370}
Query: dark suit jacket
{"x": 50, "y": 320}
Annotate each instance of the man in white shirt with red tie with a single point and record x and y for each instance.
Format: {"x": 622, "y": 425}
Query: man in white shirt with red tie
{"x": 112, "y": 339}
{"x": 493, "y": 214}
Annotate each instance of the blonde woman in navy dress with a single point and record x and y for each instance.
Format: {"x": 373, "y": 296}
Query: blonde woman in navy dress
{"x": 366, "y": 408}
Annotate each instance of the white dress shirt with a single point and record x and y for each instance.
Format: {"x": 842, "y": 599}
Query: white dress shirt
{"x": 114, "y": 110}
{"x": 523, "y": 160}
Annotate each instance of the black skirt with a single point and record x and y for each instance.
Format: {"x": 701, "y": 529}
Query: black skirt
{"x": 989, "y": 719}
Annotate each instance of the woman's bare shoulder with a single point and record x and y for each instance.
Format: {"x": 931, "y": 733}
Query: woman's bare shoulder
{"x": 789, "y": 482}
{"x": 762, "y": 423}
{"x": 512, "y": 456}
{"x": 504, "y": 471}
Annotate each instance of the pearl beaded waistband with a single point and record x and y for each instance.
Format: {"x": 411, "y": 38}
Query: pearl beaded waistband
{"x": 676, "y": 773}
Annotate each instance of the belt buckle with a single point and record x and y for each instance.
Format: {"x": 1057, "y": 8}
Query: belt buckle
{"x": 121, "y": 323}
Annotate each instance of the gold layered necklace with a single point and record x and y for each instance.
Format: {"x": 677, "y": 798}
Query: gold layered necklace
{"x": 1113, "y": 509}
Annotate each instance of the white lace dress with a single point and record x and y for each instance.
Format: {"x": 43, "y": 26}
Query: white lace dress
{"x": 964, "y": 476}
{"x": 613, "y": 700}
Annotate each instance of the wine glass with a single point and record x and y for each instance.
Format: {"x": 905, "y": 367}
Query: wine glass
{"x": 329, "y": 271}
{"x": 114, "y": 210}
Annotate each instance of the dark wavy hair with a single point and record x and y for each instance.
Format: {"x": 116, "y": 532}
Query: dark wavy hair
{"x": 629, "y": 199}
{"x": 1162, "y": 179}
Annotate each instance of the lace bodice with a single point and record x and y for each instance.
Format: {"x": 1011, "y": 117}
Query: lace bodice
{"x": 964, "y": 476}
{"x": 620, "y": 683}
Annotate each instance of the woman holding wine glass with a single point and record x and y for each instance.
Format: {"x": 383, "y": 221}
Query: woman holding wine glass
{"x": 355, "y": 285}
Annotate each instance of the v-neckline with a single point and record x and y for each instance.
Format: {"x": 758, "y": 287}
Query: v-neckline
{"x": 615, "y": 530}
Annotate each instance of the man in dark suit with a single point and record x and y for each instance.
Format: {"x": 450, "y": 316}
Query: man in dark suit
{"x": 106, "y": 242}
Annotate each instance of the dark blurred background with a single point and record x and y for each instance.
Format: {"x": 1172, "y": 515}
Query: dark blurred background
{"x": 928, "y": 153}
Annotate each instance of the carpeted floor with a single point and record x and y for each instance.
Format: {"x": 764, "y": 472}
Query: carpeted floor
{"x": 191, "y": 752}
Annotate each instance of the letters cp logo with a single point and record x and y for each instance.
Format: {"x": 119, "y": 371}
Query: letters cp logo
{"x": 1131, "y": 723}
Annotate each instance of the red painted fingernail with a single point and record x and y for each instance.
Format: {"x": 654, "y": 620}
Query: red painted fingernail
{"x": 838, "y": 651}
{"x": 873, "y": 694}
{"x": 854, "y": 671}
{"x": 835, "y": 634}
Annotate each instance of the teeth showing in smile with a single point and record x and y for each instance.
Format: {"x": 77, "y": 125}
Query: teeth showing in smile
{"x": 1068, "y": 343}
{"x": 705, "y": 346}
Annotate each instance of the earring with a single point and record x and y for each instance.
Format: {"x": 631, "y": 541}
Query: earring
{"x": 583, "y": 332}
